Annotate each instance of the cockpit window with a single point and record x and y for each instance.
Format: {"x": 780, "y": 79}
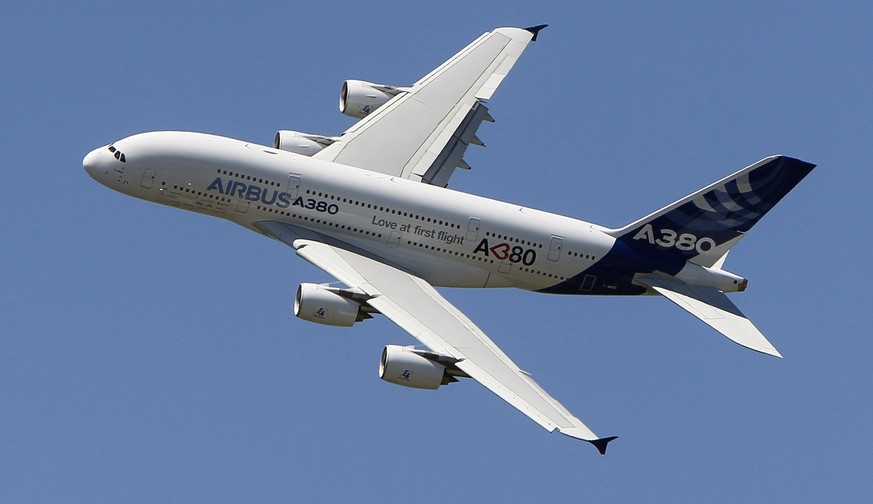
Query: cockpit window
{"x": 118, "y": 154}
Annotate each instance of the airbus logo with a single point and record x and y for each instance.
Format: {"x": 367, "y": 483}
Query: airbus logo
{"x": 250, "y": 192}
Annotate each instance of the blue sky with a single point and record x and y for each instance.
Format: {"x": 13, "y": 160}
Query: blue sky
{"x": 151, "y": 355}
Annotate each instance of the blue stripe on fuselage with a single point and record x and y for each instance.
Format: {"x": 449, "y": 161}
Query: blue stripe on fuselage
{"x": 614, "y": 272}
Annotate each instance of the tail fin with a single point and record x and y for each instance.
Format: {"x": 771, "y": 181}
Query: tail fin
{"x": 703, "y": 226}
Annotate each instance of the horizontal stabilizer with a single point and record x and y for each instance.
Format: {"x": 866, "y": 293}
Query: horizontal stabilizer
{"x": 714, "y": 308}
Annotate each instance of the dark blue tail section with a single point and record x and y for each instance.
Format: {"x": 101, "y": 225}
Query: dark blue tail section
{"x": 700, "y": 228}
{"x": 704, "y": 225}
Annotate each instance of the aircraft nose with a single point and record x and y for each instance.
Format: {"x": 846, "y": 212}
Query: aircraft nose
{"x": 95, "y": 162}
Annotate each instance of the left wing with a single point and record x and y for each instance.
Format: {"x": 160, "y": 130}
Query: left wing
{"x": 414, "y": 305}
{"x": 422, "y": 133}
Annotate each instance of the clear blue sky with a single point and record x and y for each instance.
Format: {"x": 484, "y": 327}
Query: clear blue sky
{"x": 151, "y": 355}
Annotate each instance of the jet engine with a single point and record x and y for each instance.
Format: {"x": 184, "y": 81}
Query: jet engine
{"x": 415, "y": 368}
{"x": 360, "y": 98}
{"x": 298, "y": 142}
{"x": 327, "y": 305}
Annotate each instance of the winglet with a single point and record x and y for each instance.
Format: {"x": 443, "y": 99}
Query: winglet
{"x": 601, "y": 443}
{"x": 535, "y": 30}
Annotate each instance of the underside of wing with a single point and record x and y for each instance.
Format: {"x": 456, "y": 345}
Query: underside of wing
{"x": 714, "y": 308}
{"x": 422, "y": 132}
{"x": 414, "y": 305}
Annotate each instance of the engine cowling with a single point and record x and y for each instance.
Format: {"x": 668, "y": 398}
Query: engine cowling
{"x": 361, "y": 98}
{"x": 402, "y": 366}
{"x": 323, "y": 305}
{"x": 298, "y": 142}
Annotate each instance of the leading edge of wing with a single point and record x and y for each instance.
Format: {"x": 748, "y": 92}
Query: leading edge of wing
{"x": 418, "y": 308}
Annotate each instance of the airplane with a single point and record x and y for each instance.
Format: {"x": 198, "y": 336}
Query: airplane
{"x": 371, "y": 207}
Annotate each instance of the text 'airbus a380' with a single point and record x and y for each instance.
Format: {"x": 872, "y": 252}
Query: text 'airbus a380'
{"x": 370, "y": 208}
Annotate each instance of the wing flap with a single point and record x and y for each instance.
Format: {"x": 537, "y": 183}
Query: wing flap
{"x": 715, "y": 309}
{"x": 447, "y": 153}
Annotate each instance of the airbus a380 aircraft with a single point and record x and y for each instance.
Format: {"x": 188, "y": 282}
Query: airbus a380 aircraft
{"x": 370, "y": 207}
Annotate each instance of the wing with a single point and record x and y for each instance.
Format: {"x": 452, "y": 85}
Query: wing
{"x": 714, "y": 308}
{"x": 422, "y": 133}
{"x": 414, "y": 305}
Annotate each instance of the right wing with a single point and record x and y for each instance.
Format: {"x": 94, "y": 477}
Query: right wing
{"x": 714, "y": 308}
{"x": 414, "y": 305}
{"x": 422, "y": 133}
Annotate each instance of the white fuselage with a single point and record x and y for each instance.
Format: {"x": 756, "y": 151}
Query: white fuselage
{"x": 447, "y": 237}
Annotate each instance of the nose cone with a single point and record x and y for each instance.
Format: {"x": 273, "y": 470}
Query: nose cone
{"x": 90, "y": 162}
{"x": 98, "y": 163}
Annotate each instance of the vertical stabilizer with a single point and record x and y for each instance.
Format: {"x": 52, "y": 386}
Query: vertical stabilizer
{"x": 703, "y": 226}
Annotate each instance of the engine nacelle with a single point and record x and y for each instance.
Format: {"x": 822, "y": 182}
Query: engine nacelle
{"x": 402, "y": 366}
{"x": 298, "y": 142}
{"x": 323, "y": 305}
{"x": 360, "y": 98}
